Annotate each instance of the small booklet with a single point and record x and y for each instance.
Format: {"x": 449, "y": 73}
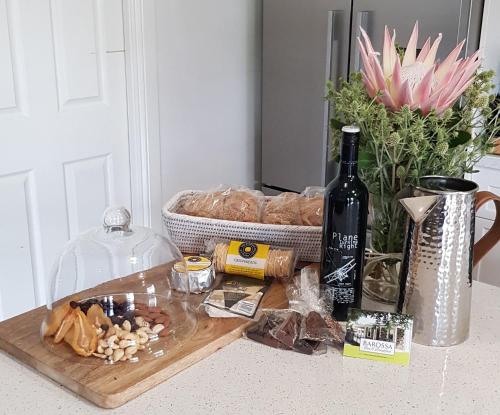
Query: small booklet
{"x": 377, "y": 335}
{"x": 236, "y": 296}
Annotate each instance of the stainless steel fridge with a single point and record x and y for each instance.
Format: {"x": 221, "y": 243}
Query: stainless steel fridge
{"x": 307, "y": 42}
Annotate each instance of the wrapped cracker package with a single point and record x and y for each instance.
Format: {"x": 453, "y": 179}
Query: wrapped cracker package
{"x": 252, "y": 259}
{"x": 311, "y": 206}
{"x": 228, "y": 203}
{"x": 282, "y": 210}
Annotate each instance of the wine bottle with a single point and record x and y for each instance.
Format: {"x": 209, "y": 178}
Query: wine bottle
{"x": 344, "y": 231}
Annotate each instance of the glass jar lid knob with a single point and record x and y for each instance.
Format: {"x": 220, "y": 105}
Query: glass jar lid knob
{"x": 116, "y": 218}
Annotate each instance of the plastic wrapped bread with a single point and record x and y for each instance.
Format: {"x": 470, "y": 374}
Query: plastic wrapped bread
{"x": 243, "y": 205}
{"x": 282, "y": 210}
{"x": 204, "y": 204}
{"x": 228, "y": 203}
{"x": 311, "y": 206}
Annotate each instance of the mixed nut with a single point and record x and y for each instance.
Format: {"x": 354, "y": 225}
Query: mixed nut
{"x": 105, "y": 328}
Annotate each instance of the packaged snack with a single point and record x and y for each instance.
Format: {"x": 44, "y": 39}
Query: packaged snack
{"x": 238, "y": 203}
{"x": 243, "y": 205}
{"x": 307, "y": 326}
{"x": 311, "y": 205}
{"x": 236, "y": 296}
{"x": 252, "y": 259}
{"x": 261, "y": 330}
{"x": 195, "y": 274}
{"x": 282, "y": 210}
{"x": 281, "y": 329}
{"x": 204, "y": 204}
{"x": 234, "y": 203}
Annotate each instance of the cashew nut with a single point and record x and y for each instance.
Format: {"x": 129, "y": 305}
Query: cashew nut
{"x": 118, "y": 354}
{"x": 141, "y": 322}
{"x": 129, "y": 351}
{"x": 158, "y": 328}
{"x": 108, "y": 351}
{"x": 142, "y": 337}
{"x": 112, "y": 340}
{"x": 126, "y": 325}
{"x": 99, "y": 355}
{"x": 130, "y": 336}
{"x": 126, "y": 343}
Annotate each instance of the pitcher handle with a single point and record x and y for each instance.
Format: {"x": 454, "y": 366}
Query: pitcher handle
{"x": 489, "y": 240}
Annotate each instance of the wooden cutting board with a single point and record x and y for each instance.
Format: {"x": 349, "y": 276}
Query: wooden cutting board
{"x": 110, "y": 386}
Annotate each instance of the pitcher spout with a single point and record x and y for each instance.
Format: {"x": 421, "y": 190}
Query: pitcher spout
{"x": 419, "y": 207}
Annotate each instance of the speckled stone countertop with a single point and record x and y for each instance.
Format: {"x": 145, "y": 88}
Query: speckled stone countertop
{"x": 249, "y": 378}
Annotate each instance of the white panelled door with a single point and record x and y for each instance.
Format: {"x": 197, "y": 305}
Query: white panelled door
{"x": 64, "y": 153}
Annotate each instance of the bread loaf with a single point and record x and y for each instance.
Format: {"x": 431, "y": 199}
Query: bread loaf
{"x": 311, "y": 210}
{"x": 242, "y": 206}
{"x": 282, "y": 210}
{"x": 207, "y": 205}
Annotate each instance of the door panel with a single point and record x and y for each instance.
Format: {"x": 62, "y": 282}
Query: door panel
{"x": 78, "y": 51}
{"x": 304, "y": 44}
{"x": 449, "y": 17}
{"x": 64, "y": 142}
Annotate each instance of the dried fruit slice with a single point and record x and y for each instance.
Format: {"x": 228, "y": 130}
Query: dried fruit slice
{"x": 82, "y": 336}
{"x": 53, "y": 322}
{"x": 65, "y": 326}
{"x": 96, "y": 316}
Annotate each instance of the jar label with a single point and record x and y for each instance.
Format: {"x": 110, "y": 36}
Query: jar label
{"x": 246, "y": 258}
{"x": 193, "y": 263}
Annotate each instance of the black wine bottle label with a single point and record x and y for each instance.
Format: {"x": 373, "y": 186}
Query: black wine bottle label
{"x": 344, "y": 231}
{"x": 341, "y": 254}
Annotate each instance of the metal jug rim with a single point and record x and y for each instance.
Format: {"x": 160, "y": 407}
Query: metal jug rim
{"x": 445, "y": 185}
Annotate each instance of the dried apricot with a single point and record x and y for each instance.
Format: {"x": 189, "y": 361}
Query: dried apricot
{"x": 65, "y": 326}
{"x": 56, "y": 317}
{"x": 96, "y": 316}
{"x": 82, "y": 336}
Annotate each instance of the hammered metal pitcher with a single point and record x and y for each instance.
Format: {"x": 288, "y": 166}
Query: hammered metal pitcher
{"x": 438, "y": 257}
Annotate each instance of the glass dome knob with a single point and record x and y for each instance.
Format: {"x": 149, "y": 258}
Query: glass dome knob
{"x": 116, "y": 218}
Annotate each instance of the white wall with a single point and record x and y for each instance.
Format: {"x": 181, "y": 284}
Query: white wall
{"x": 209, "y": 61}
{"x": 490, "y": 38}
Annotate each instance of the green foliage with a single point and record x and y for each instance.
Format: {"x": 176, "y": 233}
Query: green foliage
{"x": 382, "y": 319}
{"x": 397, "y": 148}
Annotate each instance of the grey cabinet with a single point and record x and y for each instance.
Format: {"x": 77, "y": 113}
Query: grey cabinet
{"x": 305, "y": 43}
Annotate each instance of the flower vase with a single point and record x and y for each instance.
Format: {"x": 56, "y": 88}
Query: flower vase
{"x": 381, "y": 272}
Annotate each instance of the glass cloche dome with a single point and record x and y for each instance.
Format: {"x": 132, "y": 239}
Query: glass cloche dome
{"x": 110, "y": 298}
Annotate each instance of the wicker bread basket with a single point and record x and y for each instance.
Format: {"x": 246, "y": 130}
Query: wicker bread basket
{"x": 189, "y": 233}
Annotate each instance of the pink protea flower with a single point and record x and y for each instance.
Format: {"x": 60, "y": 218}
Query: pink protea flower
{"x": 418, "y": 81}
